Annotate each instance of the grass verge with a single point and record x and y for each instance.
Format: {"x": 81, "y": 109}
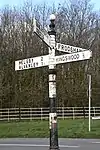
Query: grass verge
{"x": 68, "y": 128}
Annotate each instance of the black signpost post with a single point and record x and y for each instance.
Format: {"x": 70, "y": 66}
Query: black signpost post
{"x": 52, "y": 89}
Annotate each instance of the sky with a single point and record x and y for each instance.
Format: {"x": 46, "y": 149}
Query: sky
{"x": 20, "y": 2}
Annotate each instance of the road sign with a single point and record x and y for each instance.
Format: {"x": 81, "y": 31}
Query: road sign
{"x": 68, "y": 48}
{"x": 47, "y": 60}
{"x": 71, "y": 57}
{"x": 42, "y": 33}
{"x": 32, "y": 62}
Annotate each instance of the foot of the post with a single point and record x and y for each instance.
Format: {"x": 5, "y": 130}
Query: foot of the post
{"x": 54, "y": 148}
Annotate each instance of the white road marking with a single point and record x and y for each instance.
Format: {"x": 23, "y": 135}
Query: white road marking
{"x": 36, "y": 145}
{"x": 70, "y": 146}
{"x": 96, "y": 142}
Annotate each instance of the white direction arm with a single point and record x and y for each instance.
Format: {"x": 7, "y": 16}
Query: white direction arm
{"x": 32, "y": 62}
{"x": 42, "y": 33}
{"x": 71, "y": 57}
{"x": 68, "y": 48}
{"x": 48, "y": 60}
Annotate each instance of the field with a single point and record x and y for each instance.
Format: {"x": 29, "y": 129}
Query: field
{"x": 68, "y": 128}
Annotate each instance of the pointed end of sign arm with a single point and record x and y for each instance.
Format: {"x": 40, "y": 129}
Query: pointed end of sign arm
{"x": 90, "y": 53}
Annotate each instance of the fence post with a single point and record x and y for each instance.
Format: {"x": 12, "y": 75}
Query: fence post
{"x": 84, "y": 112}
{"x": 31, "y": 114}
{"x": 1, "y": 114}
{"x": 63, "y": 113}
{"x": 73, "y": 113}
{"x": 8, "y": 114}
{"x": 19, "y": 114}
{"x": 94, "y": 111}
{"x": 41, "y": 114}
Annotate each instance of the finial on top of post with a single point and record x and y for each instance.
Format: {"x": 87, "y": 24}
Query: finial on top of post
{"x": 52, "y": 25}
{"x": 52, "y": 17}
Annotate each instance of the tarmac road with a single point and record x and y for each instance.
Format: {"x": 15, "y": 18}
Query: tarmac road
{"x": 43, "y": 144}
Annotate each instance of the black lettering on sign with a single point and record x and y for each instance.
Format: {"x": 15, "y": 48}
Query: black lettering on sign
{"x": 83, "y": 55}
{"x": 24, "y": 66}
{"x": 29, "y": 60}
{"x": 63, "y": 58}
{"x": 26, "y": 61}
{"x": 23, "y": 62}
{"x": 66, "y": 58}
{"x": 42, "y": 61}
{"x": 20, "y": 67}
{"x": 41, "y": 58}
{"x": 29, "y": 65}
{"x": 78, "y": 56}
{"x": 58, "y": 46}
{"x": 69, "y": 49}
{"x": 58, "y": 59}
{"x": 20, "y": 63}
{"x": 32, "y": 60}
{"x": 53, "y": 77}
{"x": 36, "y": 64}
{"x": 72, "y": 49}
{"x": 62, "y": 47}
{"x": 78, "y": 50}
{"x": 75, "y": 56}
{"x": 69, "y": 57}
{"x": 72, "y": 57}
{"x": 66, "y": 48}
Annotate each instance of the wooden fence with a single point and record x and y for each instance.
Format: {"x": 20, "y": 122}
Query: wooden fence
{"x": 8, "y": 114}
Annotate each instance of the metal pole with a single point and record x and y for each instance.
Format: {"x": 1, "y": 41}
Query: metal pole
{"x": 89, "y": 102}
{"x": 52, "y": 89}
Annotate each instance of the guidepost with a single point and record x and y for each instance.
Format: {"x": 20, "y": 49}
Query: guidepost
{"x": 52, "y": 88}
{"x": 50, "y": 60}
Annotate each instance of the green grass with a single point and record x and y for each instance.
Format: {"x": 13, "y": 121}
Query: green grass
{"x": 68, "y": 128}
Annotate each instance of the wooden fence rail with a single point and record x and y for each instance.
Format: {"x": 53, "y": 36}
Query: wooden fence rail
{"x": 8, "y": 114}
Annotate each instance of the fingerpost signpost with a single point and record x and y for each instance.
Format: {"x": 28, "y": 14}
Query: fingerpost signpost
{"x": 50, "y": 60}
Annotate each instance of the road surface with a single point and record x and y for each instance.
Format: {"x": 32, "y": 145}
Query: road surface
{"x": 43, "y": 144}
